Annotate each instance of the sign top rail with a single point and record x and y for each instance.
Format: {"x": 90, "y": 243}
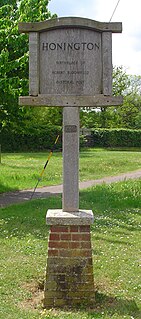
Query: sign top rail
{"x": 69, "y": 22}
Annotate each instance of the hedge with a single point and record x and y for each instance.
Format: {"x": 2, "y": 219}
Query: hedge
{"x": 43, "y": 138}
{"x": 116, "y": 138}
{"x": 39, "y": 139}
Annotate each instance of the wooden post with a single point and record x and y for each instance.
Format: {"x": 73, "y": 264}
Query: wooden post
{"x": 70, "y": 159}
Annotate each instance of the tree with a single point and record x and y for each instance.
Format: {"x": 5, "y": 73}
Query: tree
{"x": 14, "y": 58}
{"x": 121, "y": 81}
{"x": 128, "y": 113}
{"x": 126, "y": 116}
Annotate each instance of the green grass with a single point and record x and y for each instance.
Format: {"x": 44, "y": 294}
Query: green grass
{"x": 22, "y": 170}
{"x": 116, "y": 255}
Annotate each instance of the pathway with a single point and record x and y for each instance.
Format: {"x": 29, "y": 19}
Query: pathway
{"x": 10, "y": 198}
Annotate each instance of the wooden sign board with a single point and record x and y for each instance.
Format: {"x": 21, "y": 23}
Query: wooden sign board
{"x": 70, "y": 62}
{"x": 69, "y": 57}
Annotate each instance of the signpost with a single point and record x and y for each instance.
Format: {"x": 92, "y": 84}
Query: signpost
{"x": 70, "y": 66}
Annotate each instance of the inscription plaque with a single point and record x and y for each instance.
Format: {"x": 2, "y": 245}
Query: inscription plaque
{"x": 70, "y": 62}
{"x": 70, "y": 128}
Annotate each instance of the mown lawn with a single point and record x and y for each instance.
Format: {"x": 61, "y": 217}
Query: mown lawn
{"x": 116, "y": 255}
{"x": 22, "y": 170}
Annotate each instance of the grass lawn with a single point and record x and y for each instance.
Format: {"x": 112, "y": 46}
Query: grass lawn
{"x": 22, "y": 170}
{"x": 116, "y": 253}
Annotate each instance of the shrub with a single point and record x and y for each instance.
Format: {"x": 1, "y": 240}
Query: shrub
{"x": 38, "y": 139}
{"x": 43, "y": 137}
{"x": 116, "y": 137}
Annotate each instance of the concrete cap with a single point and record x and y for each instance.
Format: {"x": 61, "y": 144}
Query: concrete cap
{"x": 58, "y": 217}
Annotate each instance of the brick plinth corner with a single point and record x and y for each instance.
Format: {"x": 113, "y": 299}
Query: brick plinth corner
{"x": 69, "y": 272}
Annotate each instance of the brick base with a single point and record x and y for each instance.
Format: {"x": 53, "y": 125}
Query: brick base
{"x": 69, "y": 273}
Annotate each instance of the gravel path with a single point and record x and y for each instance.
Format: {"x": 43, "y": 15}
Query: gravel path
{"x": 10, "y": 198}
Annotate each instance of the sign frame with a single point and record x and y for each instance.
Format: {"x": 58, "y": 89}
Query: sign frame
{"x": 104, "y": 97}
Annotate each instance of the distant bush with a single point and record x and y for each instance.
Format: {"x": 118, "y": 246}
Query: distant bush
{"x": 43, "y": 137}
{"x": 115, "y": 138}
{"x": 38, "y": 139}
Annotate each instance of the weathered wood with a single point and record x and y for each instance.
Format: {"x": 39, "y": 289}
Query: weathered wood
{"x": 107, "y": 63}
{"x": 70, "y": 100}
{"x": 70, "y": 56}
{"x": 33, "y": 63}
{"x": 70, "y": 199}
{"x": 70, "y": 62}
{"x": 115, "y": 27}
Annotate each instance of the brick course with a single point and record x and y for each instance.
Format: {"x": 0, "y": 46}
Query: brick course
{"x": 69, "y": 273}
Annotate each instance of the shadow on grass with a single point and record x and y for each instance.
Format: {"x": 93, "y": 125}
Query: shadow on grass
{"x": 112, "y": 305}
{"x": 27, "y": 218}
{"x": 6, "y": 189}
{"x": 104, "y": 304}
{"x": 124, "y": 149}
{"x": 115, "y": 204}
{"x": 119, "y": 195}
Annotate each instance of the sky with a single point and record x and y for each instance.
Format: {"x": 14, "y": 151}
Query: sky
{"x": 126, "y": 45}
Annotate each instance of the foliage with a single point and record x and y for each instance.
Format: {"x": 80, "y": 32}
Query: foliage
{"x": 116, "y": 255}
{"x": 116, "y": 138}
{"x": 121, "y": 81}
{"x": 39, "y": 137}
{"x": 126, "y": 116}
{"x": 14, "y": 60}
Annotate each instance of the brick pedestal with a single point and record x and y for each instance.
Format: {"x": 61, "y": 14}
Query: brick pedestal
{"x": 69, "y": 273}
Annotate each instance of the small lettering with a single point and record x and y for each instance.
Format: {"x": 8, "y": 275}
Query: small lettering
{"x": 70, "y": 128}
{"x": 78, "y": 72}
{"x": 70, "y": 72}
{"x": 81, "y": 62}
{"x": 58, "y": 72}
{"x": 64, "y": 82}
{"x": 67, "y": 62}
{"x": 80, "y": 82}
{"x": 70, "y": 82}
